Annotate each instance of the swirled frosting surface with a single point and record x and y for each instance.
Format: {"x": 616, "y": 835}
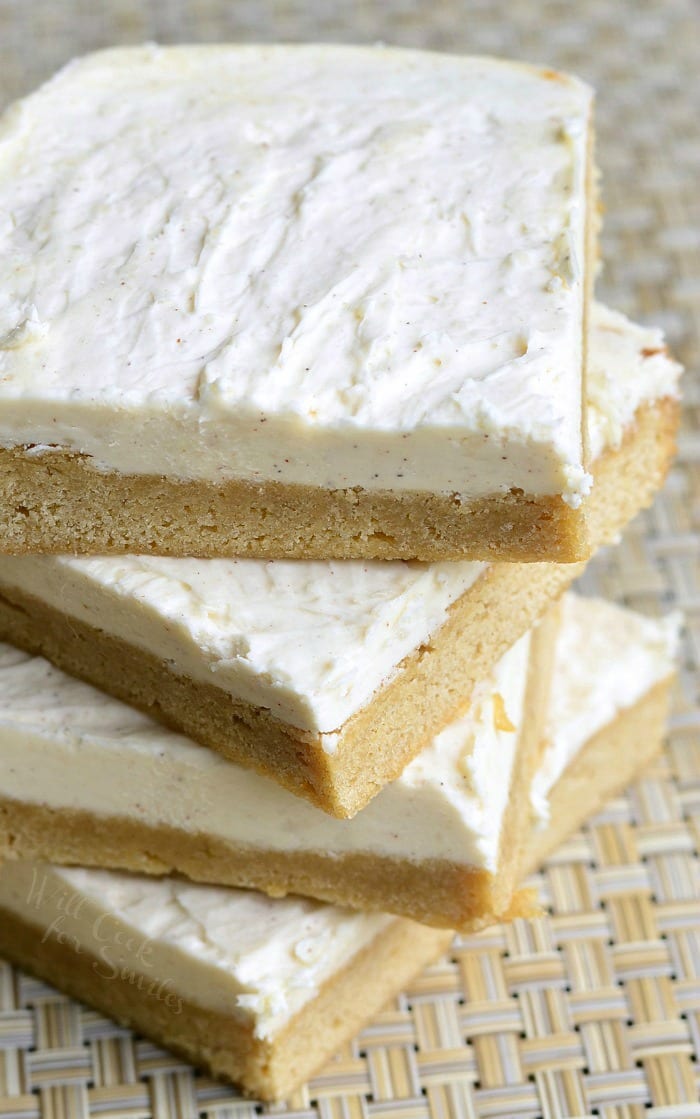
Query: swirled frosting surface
{"x": 234, "y": 952}
{"x": 325, "y": 265}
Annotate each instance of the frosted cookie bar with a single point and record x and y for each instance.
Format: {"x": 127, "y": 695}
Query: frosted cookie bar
{"x": 606, "y": 715}
{"x": 255, "y": 990}
{"x": 326, "y": 677}
{"x": 84, "y": 779}
{"x": 330, "y": 677}
{"x": 266, "y": 979}
{"x": 251, "y": 308}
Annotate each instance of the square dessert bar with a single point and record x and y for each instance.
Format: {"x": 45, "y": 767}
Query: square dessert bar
{"x": 254, "y": 990}
{"x": 296, "y": 302}
{"x": 608, "y": 702}
{"x": 330, "y": 677}
{"x": 606, "y": 715}
{"x": 262, "y": 991}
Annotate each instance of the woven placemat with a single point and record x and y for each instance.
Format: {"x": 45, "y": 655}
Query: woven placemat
{"x": 595, "y": 1008}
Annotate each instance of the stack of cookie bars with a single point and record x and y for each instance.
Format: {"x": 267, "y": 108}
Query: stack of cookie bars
{"x": 308, "y": 420}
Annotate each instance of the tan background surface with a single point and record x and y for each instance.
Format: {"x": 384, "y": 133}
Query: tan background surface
{"x": 595, "y": 1009}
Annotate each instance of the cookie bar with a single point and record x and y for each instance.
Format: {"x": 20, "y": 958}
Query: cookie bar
{"x": 254, "y": 309}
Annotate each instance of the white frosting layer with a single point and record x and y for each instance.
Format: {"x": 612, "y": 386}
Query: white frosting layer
{"x": 235, "y": 952}
{"x": 67, "y": 745}
{"x": 606, "y": 659}
{"x": 628, "y": 366}
{"x": 240, "y": 262}
{"x": 313, "y": 642}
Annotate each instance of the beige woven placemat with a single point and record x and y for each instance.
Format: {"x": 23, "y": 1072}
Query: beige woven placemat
{"x": 594, "y": 1009}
